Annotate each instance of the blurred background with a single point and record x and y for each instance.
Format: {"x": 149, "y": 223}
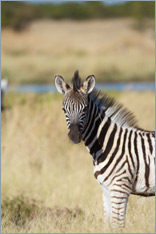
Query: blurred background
{"x": 114, "y": 42}
{"x": 48, "y": 183}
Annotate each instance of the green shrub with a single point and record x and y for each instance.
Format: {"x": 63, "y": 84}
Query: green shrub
{"x": 18, "y": 15}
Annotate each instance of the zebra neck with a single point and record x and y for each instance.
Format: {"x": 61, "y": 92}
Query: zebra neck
{"x": 99, "y": 128}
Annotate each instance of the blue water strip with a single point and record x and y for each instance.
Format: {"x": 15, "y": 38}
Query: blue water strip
{"x": 38, "y": 88}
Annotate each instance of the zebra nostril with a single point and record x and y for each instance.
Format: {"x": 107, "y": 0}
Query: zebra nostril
{"x": 79, "y": 127}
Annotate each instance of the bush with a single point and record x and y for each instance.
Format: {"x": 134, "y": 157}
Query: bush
{"x": 18, "y": 15}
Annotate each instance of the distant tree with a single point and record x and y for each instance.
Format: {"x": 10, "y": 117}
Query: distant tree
{"x": 140, "y": 11}
{"x": 18, "y": 15}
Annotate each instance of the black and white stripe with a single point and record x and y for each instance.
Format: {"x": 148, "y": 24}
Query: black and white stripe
{"x": 123, "y": 154}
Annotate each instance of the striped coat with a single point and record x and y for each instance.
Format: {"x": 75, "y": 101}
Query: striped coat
{"x": 123, "y": 154}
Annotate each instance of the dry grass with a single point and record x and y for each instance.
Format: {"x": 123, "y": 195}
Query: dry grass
{"x": 109, "y": 49}
{"x": 48, "y": 183}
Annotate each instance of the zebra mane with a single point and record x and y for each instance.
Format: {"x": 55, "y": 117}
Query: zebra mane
{"x": 115, "y": 111}
{"x": 76, "y": 81}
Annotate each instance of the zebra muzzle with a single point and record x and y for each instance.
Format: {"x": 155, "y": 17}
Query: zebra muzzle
{"x": 74, "y": 134}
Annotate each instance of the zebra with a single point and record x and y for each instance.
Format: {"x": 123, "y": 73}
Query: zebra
{"x": 123, "y": 154}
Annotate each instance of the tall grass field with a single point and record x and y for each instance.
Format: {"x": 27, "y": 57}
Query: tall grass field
{"x": 112, "y": 50}
{"x": 47, "y": 182}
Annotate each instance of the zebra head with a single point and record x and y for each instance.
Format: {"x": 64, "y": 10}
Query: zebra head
{"x": 75, "y": 103}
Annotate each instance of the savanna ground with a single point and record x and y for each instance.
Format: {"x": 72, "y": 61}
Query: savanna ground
{"x": 112, "y": 50}
{"x": 47, "y": 182}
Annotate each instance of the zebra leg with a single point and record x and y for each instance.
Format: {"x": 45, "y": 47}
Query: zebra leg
{"x": 118, "y": 206}
{"x": 107, "y": 208}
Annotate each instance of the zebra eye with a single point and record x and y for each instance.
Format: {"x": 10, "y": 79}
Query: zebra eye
{"x": 63, "y": 109}
{"x": 85, "y": 109}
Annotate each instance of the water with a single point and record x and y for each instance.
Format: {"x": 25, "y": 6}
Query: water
{"x": 37, "y": 88}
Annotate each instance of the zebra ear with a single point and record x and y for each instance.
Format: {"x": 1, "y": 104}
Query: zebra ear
{"x": 88, "y": 84}
{"x": 61, "y": 85}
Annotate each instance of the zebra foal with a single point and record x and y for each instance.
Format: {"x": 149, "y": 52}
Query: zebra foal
{"x": 123, "y": 154}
